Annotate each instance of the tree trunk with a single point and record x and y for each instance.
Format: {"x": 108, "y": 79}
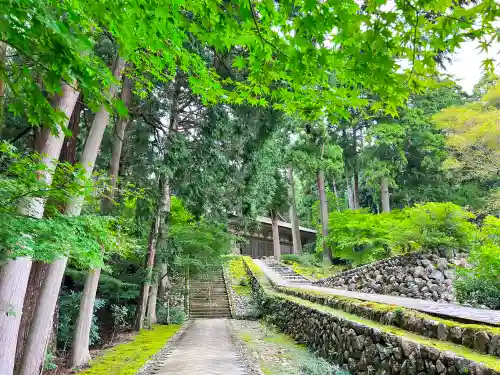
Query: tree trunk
{"x": 153, "y": 294}
{"x": 68, "y": 152}
{"x": 350, "y": 196}
{"x": 94, "y": 139}
{"x": 334, "y": 186}
{"x": 297, "y": 243}
{"x": 143, "y": 298}
{"x": 164, "y": 284}
{"x": 323, "y": 205}
{"x": 41, "y": 325}
{"x": 3, "y": 55}
{"x": 384, "y": 195}
{"x": 114, "y": 166}
{"x": 37, "y": 276}
{"x": 355, "y": 190}
{"x": 84, "y": 322}
{"x": 276, "y": 236}
{"x": 80, "y": 353}
{"x": 15, "y": 273}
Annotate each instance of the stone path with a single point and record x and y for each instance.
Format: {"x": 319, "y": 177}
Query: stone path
{"x": 206, "y": 348}
{"x": 464, "y": 313}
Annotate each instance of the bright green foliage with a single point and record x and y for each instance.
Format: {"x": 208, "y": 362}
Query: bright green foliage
{"x": 128, "y": 358}
{"x": 472, "y": 135}
{"x": 363, "y": 237}
{"x": 310, "y": 265}
{"x": 480, "y": 283}
{"x": 82, "y": 238}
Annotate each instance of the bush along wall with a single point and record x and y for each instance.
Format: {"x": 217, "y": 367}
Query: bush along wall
{"x": 482, "y": 338}
{"x": 427, "y": 276}
{"x": 362, "y": 346}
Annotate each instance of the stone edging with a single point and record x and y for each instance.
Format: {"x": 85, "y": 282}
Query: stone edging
{"x": 227, "y": 283}
{"x": 481, "y": 338}
{"x": 359, "y": 348}
{"x": 158, "y": 360}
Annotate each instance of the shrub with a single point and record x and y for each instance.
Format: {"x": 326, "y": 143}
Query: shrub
{"x": 362, "y": 237}
{"x": 480, "y": 284}
{"x": 171, "y": 315}
{"x": 69, "y": 307}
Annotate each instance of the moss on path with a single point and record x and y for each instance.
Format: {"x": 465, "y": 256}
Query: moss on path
{"x": 128, "y": 358}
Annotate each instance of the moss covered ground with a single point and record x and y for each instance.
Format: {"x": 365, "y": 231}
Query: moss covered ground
{"x": 239, "y": 279}
{"x": 127, "y": 358}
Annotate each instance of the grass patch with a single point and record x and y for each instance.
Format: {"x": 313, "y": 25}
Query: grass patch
{"x": 126, "y": 359}
{"x": 240, "y": 281}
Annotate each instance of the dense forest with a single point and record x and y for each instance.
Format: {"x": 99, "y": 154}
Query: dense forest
{"x": 134, "y": 132}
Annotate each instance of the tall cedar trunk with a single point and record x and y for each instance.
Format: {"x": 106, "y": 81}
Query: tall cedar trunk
{"x": 334, "y": 186}
{"x": 355, "y": 186}
{"x": 140, "y": 312}
{"x": 297, "y": 243}
{"x": 14, "y": 275}
{"x": 349, "y": 193}
{"x": 80, "y": 353}
{"x": 355, "y": 190}
{"x": 323, "y": 205}
{"x": 384, "y": 195}
{"x": 164, "y": 284}
{"x": 153, "y": 293}
{"x": 3, "y": 54}
{"x": 114, "y": 166}
{"x": 41, "y": 325}
{"x": 37, "y": 276}
{"x": 68, "y": 152}
{"x": 162, "y": 218}
{"x": 276, "y": 236}
{"x": 84, "y": 322}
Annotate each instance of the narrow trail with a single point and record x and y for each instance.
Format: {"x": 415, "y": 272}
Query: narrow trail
{"x": 206, "y": 348}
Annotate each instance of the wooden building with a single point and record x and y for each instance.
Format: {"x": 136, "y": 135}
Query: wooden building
{"x": 259, "y": 243}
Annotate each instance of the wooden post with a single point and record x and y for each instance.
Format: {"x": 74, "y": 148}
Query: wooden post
{"x": 276, "y": 236}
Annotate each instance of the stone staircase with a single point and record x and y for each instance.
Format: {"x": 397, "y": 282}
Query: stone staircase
{"x": 208, "y": 296}
{"x": 289, "y": 275}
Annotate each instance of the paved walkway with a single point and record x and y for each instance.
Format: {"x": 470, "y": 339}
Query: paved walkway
{"x": 206, "y": 348}
{"x": 463, "y": 313}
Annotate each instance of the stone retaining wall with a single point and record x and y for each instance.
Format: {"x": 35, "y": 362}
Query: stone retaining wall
{"x": 359, "y": 348}
{"x": 418, "y": 275}
{"x": 483, "y": 339}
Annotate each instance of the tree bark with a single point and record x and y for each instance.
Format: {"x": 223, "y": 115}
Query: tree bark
{"x": 323, "y": 205}
{"x": 140, "y": 313}
{"x": 355, "y": 190}
{"x": 153, "y": 294}
{"x": 37, "y": 276}
{"x": 84, "y": 321}
{"x": 164, "y": 284}
{"x": 14, "y": 275}
{"x": 334, "y": 186}
{"x": 384, "y": 195}
{"x": 68, "y": 152}
{"x": 41, "y": 325}
{"x": 297, "y": 242}
{"x": 80, "y": 354}
{"x": 276, "y": 236}
{"x": 114, "y": 166}
{"x": 3, "y": 55}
